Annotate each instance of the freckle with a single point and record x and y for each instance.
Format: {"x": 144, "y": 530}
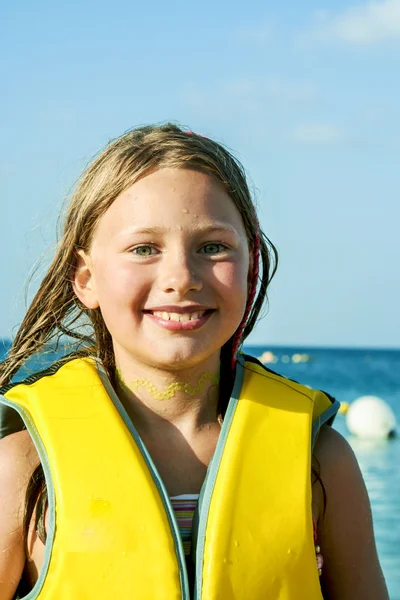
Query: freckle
{"x": 185, "y": 210}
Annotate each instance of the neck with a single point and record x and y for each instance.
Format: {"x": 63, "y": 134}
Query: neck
{"x": 154, "y": 398}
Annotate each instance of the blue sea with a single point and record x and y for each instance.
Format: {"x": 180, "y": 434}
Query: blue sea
{"x": 348, "y": 374}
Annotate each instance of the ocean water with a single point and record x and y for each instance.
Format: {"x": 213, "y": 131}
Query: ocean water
{"x": 348, "y": 374}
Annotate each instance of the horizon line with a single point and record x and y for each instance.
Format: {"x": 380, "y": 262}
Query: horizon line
{"x": 298, "y": 346}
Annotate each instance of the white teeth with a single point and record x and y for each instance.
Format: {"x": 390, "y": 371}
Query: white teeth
{"x": 183, "y": 317}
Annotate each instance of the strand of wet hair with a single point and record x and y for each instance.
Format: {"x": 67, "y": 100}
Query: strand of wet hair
{"x": 236, "y": 342}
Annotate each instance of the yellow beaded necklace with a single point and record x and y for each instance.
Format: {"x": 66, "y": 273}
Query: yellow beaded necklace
{"x": 188, "y": 388}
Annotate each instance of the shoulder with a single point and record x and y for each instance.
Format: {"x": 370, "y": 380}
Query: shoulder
{"x": 17, "y": 453}
{"x": 333, "y": 452}
{"x": 345, "y": 530}
{"x": 339, "y": 472}
{"x": 18, "y": 445}
{"x": 18, "y": 459}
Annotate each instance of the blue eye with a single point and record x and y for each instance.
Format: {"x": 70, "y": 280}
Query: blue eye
{"x": 213, "y": 248}
{"x": 144, "y": 250}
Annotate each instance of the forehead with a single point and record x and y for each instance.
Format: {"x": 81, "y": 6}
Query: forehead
{"x": 173, "y": 197}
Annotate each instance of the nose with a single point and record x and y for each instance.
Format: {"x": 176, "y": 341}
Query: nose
{"x": 179, "y": 274}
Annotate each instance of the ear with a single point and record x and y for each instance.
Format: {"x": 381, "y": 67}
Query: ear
{"x": 83, "y": 281}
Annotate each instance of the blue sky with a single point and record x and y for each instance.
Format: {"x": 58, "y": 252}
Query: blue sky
{"x": 306, "y": 94}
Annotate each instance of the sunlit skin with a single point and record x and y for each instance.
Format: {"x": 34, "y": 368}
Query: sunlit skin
{"x": 173, "y": 242}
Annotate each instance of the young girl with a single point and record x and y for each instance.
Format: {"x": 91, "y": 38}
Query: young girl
{"x": 157, "y": 461}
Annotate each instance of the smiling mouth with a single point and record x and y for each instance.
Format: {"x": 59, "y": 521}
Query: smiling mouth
{"x": 181, "y": 317}
{"x": 180, "y": 321}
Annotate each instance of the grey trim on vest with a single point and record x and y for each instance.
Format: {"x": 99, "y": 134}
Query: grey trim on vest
{"x": 326, "y": 418}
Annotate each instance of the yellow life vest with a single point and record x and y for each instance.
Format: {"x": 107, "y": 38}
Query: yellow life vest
{"x": 112, "y": 531}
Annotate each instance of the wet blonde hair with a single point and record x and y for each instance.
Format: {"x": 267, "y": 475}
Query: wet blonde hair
{"x": 55, "y": 311}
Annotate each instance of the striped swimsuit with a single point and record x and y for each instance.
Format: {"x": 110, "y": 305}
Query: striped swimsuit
{"x": 184, "y": 507}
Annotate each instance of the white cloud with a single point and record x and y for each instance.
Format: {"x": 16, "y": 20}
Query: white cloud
{"x": 369, "y": 23}
{"x": 316, "y": 134}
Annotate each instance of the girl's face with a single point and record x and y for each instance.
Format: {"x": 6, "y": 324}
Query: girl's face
{"x": 169, "y": 268}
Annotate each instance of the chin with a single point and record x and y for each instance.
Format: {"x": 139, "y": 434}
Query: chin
{"x": 178, "y": 358}
{"x": 177, "y": 361}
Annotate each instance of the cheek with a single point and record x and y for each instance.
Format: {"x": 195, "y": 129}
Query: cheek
{"x": 120, "y": 284}
{"x": 232, "y": 279}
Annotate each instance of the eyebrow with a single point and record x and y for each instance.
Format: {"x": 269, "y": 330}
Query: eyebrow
{"x": 214, "y": 227}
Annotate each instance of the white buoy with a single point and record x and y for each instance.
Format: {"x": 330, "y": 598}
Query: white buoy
{"x": 370, "y": 417}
